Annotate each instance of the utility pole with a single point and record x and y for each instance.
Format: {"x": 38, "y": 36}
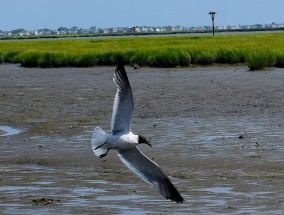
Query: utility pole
{"x": 212, "y": 14}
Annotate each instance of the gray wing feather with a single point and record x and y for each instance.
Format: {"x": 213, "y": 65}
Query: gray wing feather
{"x": 123, "y": 103}
{"x": 150, "y": 172}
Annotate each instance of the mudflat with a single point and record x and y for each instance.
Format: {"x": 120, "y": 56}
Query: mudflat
{"x": 216, "y": 131}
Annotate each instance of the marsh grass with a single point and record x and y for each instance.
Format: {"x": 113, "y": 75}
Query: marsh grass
{"x": 1, "y": 57}
{"x": 258, "y": 51}
{"x": 230, "y": 56}
{"x": 10, "y": 57}
{"x": 202, "y": 57}
{"x": 279, "y": 61}
{"x": 261, "y": 58}
{"x": 34, "y": 58}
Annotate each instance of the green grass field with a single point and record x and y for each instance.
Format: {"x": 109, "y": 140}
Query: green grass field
{"x": 258, "y": 51}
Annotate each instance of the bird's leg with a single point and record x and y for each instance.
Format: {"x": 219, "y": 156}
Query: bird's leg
{"x": 103, "y": 155}
{"x": 100, "y": 146}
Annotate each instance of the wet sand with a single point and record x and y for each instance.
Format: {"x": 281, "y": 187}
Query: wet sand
{"x": 216, "y": 131}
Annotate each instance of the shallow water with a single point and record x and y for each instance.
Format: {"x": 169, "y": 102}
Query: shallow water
{"x": 8, "y": 131}
{"x": 233, "y": 186}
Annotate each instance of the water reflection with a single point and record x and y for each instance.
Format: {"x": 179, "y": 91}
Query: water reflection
{"x": 8, "y": 131}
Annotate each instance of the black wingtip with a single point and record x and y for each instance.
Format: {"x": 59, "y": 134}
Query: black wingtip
{"x": 176, "y": 197}
{"x": 120, "y": 60}
{"x": 168, "y": 190}
{"x": 121, "y": 73}
{"x": 120, "y": 66}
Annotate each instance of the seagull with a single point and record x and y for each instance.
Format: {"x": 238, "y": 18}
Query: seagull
{"x": 124, "y": 141}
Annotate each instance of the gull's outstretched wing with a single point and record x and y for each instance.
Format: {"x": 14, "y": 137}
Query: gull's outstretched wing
{"x": 150, "y": 172}
{"x": 123, "y": 102}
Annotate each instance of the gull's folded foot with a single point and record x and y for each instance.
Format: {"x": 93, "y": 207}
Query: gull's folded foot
{"x": 100, "y": 146}
{"x": 103, "y": 155}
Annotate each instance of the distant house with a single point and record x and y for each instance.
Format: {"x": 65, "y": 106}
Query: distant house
{"x": 234, "y": 27}
{"x": 63, "y": 32}
{"x": 7, "y": 33}
{"x": 74, "y": 30}
{"x": 159, "y": 29}
{"x": 94, "y": 29}
{"x": 84, "y": 31}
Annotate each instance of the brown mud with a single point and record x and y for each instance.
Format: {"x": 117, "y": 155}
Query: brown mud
{"x": 218, "y": 132}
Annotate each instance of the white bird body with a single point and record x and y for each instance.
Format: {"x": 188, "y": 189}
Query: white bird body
{"x": 127, "y": 140}
{"x": 124, "y": 141}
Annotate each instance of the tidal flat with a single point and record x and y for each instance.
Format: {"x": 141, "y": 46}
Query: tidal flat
{"x": 216, "y": 131}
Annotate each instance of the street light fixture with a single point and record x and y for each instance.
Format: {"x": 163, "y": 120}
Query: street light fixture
{"x": 134, "y": 29}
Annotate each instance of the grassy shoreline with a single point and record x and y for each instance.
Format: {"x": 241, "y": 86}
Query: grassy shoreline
{"x": 258, "y": 51}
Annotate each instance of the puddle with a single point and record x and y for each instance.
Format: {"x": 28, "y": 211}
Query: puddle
{"x": 43, "y": 182}
{"x": 121, "y": 198}
{"x": 86, "y": 191}
{"x": 221, "y": 190}
{"x": 8, "y": 131}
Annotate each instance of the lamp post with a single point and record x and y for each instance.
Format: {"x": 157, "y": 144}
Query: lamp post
{"x": 212, "y": 14}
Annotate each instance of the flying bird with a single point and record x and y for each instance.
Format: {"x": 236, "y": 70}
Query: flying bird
{"x": 124, "y": 141}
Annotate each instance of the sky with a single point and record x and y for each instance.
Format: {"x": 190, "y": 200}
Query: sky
{"x": 52, "y": 14}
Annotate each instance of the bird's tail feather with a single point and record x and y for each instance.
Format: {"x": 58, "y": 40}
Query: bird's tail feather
{"x": 99, "y": 140}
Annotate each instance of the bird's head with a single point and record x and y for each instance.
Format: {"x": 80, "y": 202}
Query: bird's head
{"x": 143, "y": 140}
